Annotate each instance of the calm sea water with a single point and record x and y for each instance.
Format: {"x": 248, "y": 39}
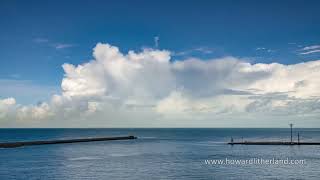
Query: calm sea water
{"x": 156, "y": 154}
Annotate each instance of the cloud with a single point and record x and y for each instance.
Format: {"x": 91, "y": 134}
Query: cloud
{"x": 260, "y": 48}
{"x": 264, "y": 49}
{"x": 204, "y": 50}
{"x": 52, "y": 44}
{"x": 310, "y": 52}
{"x": 201, "y": 50}
{"x": 310, "y": 49}
{"x": 41, "y": 40}
{"x": 63, "y": 46}
{"x": 156, "y": 41}
{"x": 5, "y": 106}
{"x": 26, "y": 91}
{"x": 149, "y": 88}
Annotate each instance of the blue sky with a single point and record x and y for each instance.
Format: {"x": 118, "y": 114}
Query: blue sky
{"x": 37, "y": 37}
{"x": 226, "y": 27}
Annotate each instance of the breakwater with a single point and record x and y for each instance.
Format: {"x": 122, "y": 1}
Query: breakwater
{"x": 273, "y": 143}
{"x": 62, "y": 141}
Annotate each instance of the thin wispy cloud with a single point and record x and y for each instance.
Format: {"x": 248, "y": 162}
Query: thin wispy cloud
{"x": 311, "y": 52}
{"x": 202, "y": 50}
{"x": 56, "y": 45}
{"x": 41, "y": 40}
{"x": 63, "y": 46}
{"x": 156, "y": 41}
{"x": 260, "y": 48}
{"x": 310, "y": 49}
{"x": 265, "y": 49}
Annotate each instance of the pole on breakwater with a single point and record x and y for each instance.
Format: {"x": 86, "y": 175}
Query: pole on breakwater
{"x": 291, "y": 132}
{"x": 291, "y": 142}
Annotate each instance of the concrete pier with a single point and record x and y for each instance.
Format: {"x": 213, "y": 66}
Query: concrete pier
{"x": 273, "y": 143}
{"x": 63, "y": 141}
{"x": 290, "y": 143}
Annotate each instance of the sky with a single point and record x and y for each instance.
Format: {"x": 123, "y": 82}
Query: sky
{"x": 159, "y": 63}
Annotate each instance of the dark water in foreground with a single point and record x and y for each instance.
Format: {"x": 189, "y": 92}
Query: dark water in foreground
{"x": 157, "y": 154}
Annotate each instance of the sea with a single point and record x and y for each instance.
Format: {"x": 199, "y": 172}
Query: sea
{"x": 164, "y": 153}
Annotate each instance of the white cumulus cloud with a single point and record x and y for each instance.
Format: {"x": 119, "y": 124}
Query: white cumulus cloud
{"x": 149, "y": 86}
